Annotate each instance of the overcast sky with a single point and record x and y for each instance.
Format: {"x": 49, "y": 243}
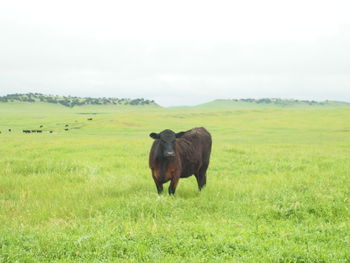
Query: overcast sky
{"x": 177, "y": 52}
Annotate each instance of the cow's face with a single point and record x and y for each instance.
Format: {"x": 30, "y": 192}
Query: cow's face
{"x": 167, "y": 139}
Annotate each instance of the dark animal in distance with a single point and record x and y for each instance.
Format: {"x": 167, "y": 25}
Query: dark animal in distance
{"x": 33, "y": 131}
{"x": 66, "y": 129}
{"x": 66, "y": 125}
{"x": 51, "y": 131}
{"x": 41, "y": 126}
{"x": 89, "y": 119}
{"x": 9, "y": 130}
{"x": 26, "y": 131}
{"x": 180, "y": 155}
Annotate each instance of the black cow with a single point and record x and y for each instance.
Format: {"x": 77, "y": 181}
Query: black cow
{"x": 66, "y": 129}
{"x": 179, "y": 155}
{"x": 9, "y": 130}
{"x": 41, "y": 126}
{"x": 26, "y": 131}
{"x": 66, "y": 125}
{"x": 89, "y": 119}
{"x": 39, "y": 131}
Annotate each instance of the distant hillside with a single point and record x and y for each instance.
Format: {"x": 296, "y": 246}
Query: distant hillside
{"x": 267, "y": 102}
{"x": 72, "y": 101}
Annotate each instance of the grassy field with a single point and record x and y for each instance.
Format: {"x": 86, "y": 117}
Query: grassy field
{"x": 278, "y": 186}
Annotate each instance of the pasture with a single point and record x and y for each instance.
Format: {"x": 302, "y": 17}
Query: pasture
{"x": 278, "y": 186}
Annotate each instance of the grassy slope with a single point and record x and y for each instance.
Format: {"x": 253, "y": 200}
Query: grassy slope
{"x": 230, "y": 104}
{"x": 278, "y": 187}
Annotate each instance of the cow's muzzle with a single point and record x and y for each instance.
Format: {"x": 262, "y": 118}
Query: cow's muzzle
{"x": 169, "y": 154}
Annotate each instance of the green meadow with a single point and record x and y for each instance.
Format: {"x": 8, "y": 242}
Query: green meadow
{"x": 278, "y": 186}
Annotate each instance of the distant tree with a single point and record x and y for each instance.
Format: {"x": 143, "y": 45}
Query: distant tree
{"x": 71, "y": 101}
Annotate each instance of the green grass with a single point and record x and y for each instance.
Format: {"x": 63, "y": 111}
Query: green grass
{"x": 278, "y": 186}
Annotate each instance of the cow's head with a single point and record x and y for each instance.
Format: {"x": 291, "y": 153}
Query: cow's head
{"x": 167, "y": 139}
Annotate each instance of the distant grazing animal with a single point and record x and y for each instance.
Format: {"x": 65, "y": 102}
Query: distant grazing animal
{"x": 33, "y": 130}
{"x": 66, "y": 125}
{"x": 41, "y": 126}
{"x": 51, "y": 131}
{"x": 66, "y": 129}
{"x": 9, "y": 130}
{"x": 179, "y": 155}
{"x": 39, "y": 131}
{"x": 26, "y": 131}
{"x": 89, "y": 119}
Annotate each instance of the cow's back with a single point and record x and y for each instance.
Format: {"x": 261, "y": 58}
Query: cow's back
{"x": 201, "y": 140}
{"x": 194, "y": 149}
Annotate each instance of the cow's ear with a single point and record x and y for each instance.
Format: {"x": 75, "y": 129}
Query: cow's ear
{"x": 154, "y": 135}
{"x": 179, "y": 134}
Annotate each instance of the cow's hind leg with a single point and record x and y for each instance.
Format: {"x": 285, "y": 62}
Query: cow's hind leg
{"x": 202, "y": 177}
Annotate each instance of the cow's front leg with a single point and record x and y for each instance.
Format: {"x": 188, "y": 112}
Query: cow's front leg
{"x": 156, "y": 181}
{"x": 173, "y": 183}
{"x": 159, "y": 188}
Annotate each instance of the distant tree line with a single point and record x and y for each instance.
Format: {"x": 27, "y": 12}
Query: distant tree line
{"x": 71, "y": 101}
{"x": 280, "y": 101}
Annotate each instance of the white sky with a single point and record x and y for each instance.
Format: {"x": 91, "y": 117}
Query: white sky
{"x": 177, "y": 52}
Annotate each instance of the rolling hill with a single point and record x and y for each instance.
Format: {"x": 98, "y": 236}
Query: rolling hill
{"x": 71, "y": 101}
{"x": 269, "y": 103}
